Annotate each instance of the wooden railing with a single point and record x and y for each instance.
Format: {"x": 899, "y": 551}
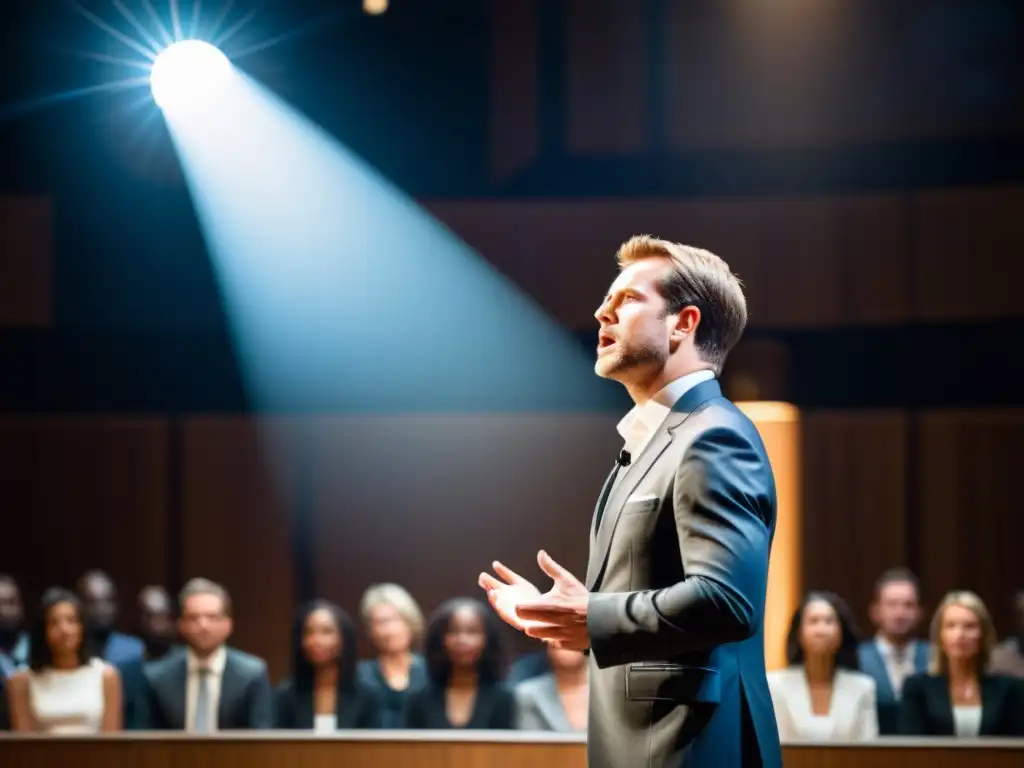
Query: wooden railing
{"x": 398, "y": 749}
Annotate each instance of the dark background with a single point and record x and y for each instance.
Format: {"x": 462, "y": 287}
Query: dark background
{"x": 860, "y": 164}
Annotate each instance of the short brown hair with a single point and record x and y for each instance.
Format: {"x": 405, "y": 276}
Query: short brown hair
{"x": 202, "y": 586}
{"x": 700, "y": 279}
{"x": 899, "y": 575}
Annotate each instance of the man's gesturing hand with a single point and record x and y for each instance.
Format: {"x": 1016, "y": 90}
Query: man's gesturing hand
{"x": 558, "y": 616}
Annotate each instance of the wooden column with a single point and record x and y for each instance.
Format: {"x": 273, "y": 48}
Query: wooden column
{"x": 779, "y": 425}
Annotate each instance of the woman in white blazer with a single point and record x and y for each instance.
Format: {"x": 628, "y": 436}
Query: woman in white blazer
{"x": 821, "y": 696}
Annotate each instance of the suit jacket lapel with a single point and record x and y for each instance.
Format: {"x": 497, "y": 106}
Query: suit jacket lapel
{"x": 175, "y": 692}
{"x": 621, "y": 491}
{"x": 922, "y": 650}
{"x": 990, "y": 709}
{"x": 877, "y": 670}
{"x": 602, "y": 500}
{"x": 230, "y": 683}
{"x": 943, "y": 704}
{"x": 626, "y": 483}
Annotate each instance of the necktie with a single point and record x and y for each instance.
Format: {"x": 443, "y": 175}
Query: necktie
{"x": 202, "y": 714}
{"x": 622, "y": 461}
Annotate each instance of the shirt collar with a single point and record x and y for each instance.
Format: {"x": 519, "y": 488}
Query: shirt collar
{"x": 888, "y": 650}
{"x": 642, "y": 421}
{"x": 218, "y": 659}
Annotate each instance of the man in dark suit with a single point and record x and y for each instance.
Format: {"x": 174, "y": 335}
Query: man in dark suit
{"x": 893, "y": 654}
{"x": 98, "y": 594}
{"x": 673, "y": 607}
{"x": 207, "y": 686}
{"x": 158, "y": 633}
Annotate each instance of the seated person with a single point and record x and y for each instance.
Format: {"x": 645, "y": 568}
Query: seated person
{"x": 323, "y": 694}
{"x": 207, "y": 686}
{"x": 394, "y": 623}
{"x": 464, "y": 668}
{"x": 65, "y": 690}
{"x": 956, "y": 697}
{"x": 556, "y": 701}
{"x": 821, "y": 696}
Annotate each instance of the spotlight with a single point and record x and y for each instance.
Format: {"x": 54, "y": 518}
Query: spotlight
{"x": 375, "y": 7}
{"x": 188, "y": 73}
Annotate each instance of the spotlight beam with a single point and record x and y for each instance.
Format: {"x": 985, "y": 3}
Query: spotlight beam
{"x": 114, "y": 33}
{"x": 138, "y": 25}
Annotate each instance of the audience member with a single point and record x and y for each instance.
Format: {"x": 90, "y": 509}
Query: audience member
{"x": 464, "y": 669}
{"x": 323, "y": 693}
{"x": 558, "y": 700}
{"x": 527, "y": 667}
{"x": 394, "y": 623}
{"x": 207, "y": 686}
{"x": 65, "y": 690}
{"x": 99, "y": 597}
{"x": 13, "y": 638}
{"x": 893, "y": 654}
{"x": 158, "y": 633}
{"x": 821, "y": 696}
{"x": 956, "y": 697}
{"x": 1008, "y": 656}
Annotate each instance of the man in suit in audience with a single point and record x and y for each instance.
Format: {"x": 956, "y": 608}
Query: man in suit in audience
{"x": 893, "y": 654}
{"x": 207, "y": 686}
{"x": 158, "y": 634}
{"x": 672, "y": 611}
{"x": 1008, "y": 656}
{"x": 13, "y": 637}
{"x": 98, "y": 594}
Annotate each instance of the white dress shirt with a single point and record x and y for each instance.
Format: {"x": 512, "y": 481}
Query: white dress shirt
{"x": 852, "y": 715}
{"x": 899, "y": 663}
{"x": 639, "y": 425}
{"x": 215, "y": 664}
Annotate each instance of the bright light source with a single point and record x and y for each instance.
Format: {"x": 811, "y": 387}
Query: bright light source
{"x": 375, "y": 7}
{"x": 187, "y": 74}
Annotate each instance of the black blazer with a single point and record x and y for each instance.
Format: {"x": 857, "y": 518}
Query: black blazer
{"x": 356, "y": 708}
{"x": 370, "y": 678}
{"x": 494, "y": 709}
{"x": 927, "y": 710}
{"x": 246, "y": 699}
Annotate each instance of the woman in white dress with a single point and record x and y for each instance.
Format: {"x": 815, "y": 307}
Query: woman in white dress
{"x": 821, "y": 696}
{"x": 65, "y": 690}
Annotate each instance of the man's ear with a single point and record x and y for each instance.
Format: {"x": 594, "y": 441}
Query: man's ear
{"x": 686, "y": 324}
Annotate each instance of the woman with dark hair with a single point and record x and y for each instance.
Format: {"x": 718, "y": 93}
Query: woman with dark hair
{"x": 323, "y": 694}
{"x": 821, "y": 696}
{"x": 66, "y": 690}
{"x": 464, "y": 670}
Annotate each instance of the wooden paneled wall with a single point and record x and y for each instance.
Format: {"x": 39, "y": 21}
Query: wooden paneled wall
{"x": 806, "y": 263}
{"x": 429, "y": 501}
{"x": 721, "y": 75}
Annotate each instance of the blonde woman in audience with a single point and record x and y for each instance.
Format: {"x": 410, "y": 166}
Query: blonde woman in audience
{"x": 558, "y": 700}
{"x": 66, "y": 690}
{"x": 956, "y": 697}
{"x": 821, "y": 696}
{"x": 394, "y": 622}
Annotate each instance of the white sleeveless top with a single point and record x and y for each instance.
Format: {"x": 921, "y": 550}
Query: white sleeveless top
{"x": 68, "y": 701}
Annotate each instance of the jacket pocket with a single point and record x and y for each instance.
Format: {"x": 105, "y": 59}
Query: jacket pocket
{"x": 664, "y": 681}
